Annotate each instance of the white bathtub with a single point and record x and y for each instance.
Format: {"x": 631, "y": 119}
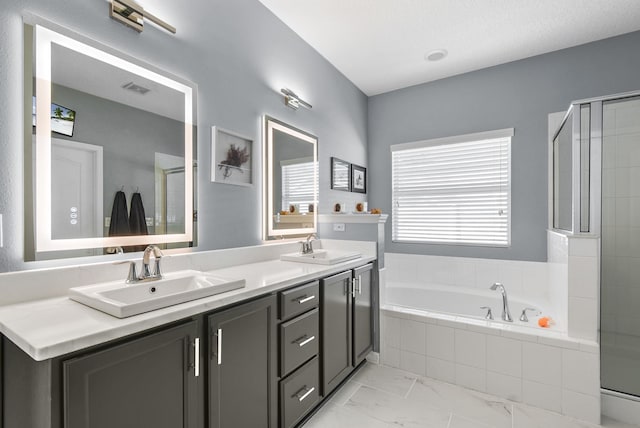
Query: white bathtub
{"x": 431, "y": 324}
{"x": 460, "y": 302}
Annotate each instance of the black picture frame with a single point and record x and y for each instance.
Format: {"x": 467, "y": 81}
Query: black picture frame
{"x": 340, "y": 175}
{"x": 358, "y": 179}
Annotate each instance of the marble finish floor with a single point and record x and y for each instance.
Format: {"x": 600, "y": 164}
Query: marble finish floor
{"x": 379, "y": 397}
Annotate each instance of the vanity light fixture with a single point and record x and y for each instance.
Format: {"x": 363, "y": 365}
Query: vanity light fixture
{"x": 132, "y": 15}
{"x": 292, "y": 100}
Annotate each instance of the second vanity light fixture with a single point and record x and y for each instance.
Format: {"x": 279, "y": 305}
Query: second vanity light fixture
{"x": 133, "y": 15}
{"x": 292, "y": 100}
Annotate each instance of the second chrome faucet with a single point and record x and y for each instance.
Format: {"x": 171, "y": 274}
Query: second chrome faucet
{"x": 147, "y": 274}
{"x": 506, "y": 314}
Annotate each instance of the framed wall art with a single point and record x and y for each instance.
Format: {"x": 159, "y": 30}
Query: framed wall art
{"x": 231, "y": 157}
{"x": 358, "y": 179}
{"x": 340, "y": 174}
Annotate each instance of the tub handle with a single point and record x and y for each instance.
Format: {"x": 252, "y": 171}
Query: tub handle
{"x": 489, "y": 315}
{"x": 523, "y": 316}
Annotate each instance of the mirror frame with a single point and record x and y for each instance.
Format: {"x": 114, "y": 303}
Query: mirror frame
{"x": 43, "y": 39}
{"x": 270, "y": 125}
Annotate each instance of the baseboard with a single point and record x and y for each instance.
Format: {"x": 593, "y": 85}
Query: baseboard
{"x": 621, "y": 407}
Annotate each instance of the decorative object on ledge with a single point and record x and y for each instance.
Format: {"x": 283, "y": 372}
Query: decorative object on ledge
{"x": 291, "y": 99}
{"x": 132, "y": 15}
{"x": 231, "y": 157}
{"x": 340, "y": 174}
{"x": 358, "y": 179}
{"x": 339, "y": 208}
{"x": 361, "y": 207}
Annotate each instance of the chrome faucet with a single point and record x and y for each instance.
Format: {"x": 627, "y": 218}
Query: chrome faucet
{"x": 146, "y": 275}
{"x": 157, "y": 256}
{"x": 307, "y": 246}
{"x": 506, "y": 315}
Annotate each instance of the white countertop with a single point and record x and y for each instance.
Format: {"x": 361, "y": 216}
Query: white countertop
{"x": 50, "y": 327}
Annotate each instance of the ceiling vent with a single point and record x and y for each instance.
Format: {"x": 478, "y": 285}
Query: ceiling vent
{"x": 136, "y": 88}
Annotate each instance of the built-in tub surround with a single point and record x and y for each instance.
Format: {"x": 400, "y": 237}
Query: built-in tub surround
{"x": 519, "y": 361}
{"x": 37, "y": 315}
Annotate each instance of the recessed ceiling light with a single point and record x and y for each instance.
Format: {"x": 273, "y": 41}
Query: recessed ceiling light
{"x": 436, "y": 55}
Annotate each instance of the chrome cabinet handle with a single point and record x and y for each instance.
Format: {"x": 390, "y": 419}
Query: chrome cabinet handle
{"x": 302, "y": 341}
{"x": 302, "y": 300}
{"x": 196, "y": 357}
{"x": 306, "y": 393}
{"x": 353, "y": 287}
{"x": 219, "y": 350}
{"x": 359, "y": 284}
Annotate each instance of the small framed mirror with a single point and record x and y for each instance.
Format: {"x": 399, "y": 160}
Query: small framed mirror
{"x": 290, "y": 180}
{"x": 110, "y": 156}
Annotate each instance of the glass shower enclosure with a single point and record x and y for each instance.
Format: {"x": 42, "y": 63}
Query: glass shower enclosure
{"x": 596, "y": 191}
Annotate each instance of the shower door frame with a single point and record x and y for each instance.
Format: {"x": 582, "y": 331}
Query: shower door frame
{"x": 595, "y": 162}
{"x": 595, "y": 183}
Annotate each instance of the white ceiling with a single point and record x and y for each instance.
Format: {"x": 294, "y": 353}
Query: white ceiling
{"x": 380, "y": 44}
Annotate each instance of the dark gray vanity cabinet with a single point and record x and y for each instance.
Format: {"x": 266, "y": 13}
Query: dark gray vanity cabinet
{"x": 147, "y": 382}
{"x": 299, "y": 347}
{"x": 363, "y": 304}
{"x": 347, "y": 323}
{"x": 336, "y": 325}
{"x": 242, "y": 364}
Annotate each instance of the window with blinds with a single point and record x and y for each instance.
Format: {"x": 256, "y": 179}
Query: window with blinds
{"x": 453, "y": 190}
{"x": 297, "y": 188}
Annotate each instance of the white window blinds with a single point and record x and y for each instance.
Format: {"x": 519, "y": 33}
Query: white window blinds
{"x": 453, "y": 190}
{"x": 297, "y": 184}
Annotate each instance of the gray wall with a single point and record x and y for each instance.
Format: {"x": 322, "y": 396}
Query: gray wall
{"x": 240, "y": 55}
{"x": 520, "y": 95}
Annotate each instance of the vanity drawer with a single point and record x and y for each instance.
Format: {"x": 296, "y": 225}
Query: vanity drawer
{"x": 299, "y": 340}
{"x": 299, "y": 393}
{"x": 299, "y": 299}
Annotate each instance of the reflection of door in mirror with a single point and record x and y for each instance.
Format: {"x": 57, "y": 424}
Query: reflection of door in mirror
{"x": 169, "y": 191}
{"x": 76, "y": 180}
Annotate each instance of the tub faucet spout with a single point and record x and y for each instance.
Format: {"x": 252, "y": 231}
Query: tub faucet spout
{"x": 506, "y": 314}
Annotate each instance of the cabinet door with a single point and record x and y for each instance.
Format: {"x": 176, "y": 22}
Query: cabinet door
{"x": 242, "y": 366}
{"x": 336, "y": 330}
{"x": 148, "y": 382}
{"x": 362, "y": 313}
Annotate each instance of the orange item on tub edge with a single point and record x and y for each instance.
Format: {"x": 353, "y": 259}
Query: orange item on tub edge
{"x": 545, "y": 322}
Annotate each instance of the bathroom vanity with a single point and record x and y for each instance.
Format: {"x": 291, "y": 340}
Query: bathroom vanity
{"x": 262, "y": 356}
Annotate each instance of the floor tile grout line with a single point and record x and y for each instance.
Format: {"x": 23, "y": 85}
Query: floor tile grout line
{"x": 410, "y": 388}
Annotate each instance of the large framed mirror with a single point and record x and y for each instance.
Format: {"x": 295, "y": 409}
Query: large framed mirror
{"x": 291, "y": 180}
{"x": 112, "y": 147}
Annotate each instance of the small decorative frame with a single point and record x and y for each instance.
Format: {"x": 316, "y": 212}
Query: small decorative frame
{"x": 231, "y": 157}
{"x": 358, "y": 179}
{"x": 340, "y": 175}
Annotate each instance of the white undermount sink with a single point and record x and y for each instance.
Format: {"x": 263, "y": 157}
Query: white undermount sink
{"x": 322, "y": 257}
{"x": 124, "y": 300}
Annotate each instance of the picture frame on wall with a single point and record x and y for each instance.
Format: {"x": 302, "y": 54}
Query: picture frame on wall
{"x": 340, "y": 175}
{"x": 358, "y": 179}
{"x": 231, "y": 157}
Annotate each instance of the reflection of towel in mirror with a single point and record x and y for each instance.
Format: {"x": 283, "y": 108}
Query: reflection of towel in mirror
{"x": 119, "y": 222}
{"x": 137, "y": 220}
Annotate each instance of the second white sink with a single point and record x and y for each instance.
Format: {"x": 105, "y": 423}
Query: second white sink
{"x": 124, "y": 300}
{"x": 322, "y": 257}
